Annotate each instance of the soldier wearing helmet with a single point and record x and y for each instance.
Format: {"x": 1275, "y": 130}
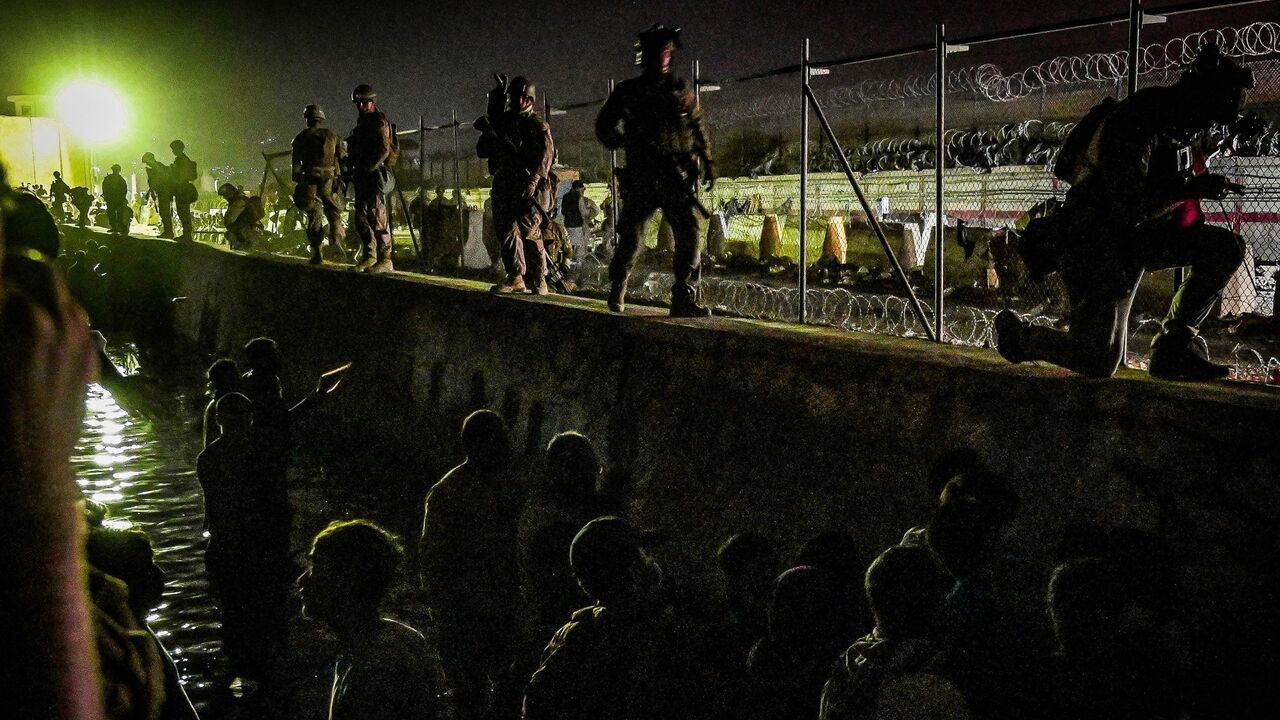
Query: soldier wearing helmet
{"x": 371, "y": 153}
{"x": 1134, "y": 207}
{"x": 184, "y": 174}
{"x": 655, "y": 118}
{"x": 243, "y": 219}
{"x": 517, "y": 143}
{"x": 160, "y": 186}
{"x": 115, "y": 192}
{"x": 317, "y": 158}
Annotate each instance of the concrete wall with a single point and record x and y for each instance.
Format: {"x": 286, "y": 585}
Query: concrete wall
{"x": 729, "y": 425}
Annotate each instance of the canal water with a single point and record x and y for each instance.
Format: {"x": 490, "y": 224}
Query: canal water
{"x": 144, "y": 472}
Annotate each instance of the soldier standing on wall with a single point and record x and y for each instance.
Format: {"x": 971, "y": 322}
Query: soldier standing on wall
{"x": 160, "y": 184}
{"x": 1134, "y": 207}
{"x": 317, "y": 156}
{"x": 372, "y": 152}
{"x": 517, "y": 143}
{"x": 115, "y": 191}
{"x": 59, "y": 190}
{"x": 655, "y": 118}
{"x": 183, "y": 171}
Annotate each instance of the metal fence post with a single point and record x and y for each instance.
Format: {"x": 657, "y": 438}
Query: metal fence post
{"x": 457, "y": 184}
{"x": 1135, "y": 46}
{"x": 613, "y": 187}
{"x": 804, "y": 182}
{"x": 940, "y": 156}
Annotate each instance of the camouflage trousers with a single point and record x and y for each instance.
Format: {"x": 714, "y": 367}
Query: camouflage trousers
{"x": 640, "y": 199}
{"x": 370, "y": 218}
{"x": 319, "y": 204}
{"x": 517, "y": 226}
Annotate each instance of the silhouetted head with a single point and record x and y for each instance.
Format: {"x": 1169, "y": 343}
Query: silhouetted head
{"x": 57, "y": 175}
{"x": 263, "y": 355}
{"x": 1216, "y": 85}
{"x": 749, "y": 564}
{"x": 836, "y": 552}
{"x": 352, "y": 565}
{"x": 610, "y": 563}
{"x": 906, "y": 589}
{"x": 177, "y": 146}
{"x": 313, "y": 115}
{"x": 28, "y": 223}
{"x": 234, "y": 413}
{"x": 1100, "y": 609}
{"x": 967, "y": 525}
{"x": 573, "y": 468}
{"x": 440, "y": 191}
{"x": 656, "y": 46}
{"x": 486, "y": 441}
{"x": 228, "y": 191}
{"x": 808, "y": 608}
{"x": 127, "y": 554}
{"x": 115, "y": 169}
{"x": 951, "y": 463}
{"x": 223, "y": 376}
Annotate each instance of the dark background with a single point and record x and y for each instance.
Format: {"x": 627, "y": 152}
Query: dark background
{"x": 230, "y": 78}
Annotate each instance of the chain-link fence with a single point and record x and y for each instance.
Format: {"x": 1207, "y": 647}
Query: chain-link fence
{"x": 1010, "y": 103}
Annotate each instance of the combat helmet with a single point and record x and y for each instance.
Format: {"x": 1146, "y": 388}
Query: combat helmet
{"x": 177, "y": 146}
{"x": 1211, "y": 66}
{"x": 313, "y": 112}
{"x": 520, "y": 86}
{"x": 363, "y": 93}
{"x": 656, "y": 37}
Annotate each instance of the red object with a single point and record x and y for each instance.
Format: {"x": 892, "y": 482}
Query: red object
{"x": 1188, "y": 212}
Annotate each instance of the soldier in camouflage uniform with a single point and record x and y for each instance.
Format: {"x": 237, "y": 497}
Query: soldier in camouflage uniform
{"x": 160, "y": 184}
{"x": 183, "y": 175}
{"x": 517, "y": 143}
{"x": 371, "y": 151}
{"x": 655, "y": 118}
{"x": 317, "y": 156}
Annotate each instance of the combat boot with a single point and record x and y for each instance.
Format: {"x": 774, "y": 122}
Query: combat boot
{"x": 366, "y": 261}
{"x": 316, "y": 258}
{"x": 1174, "y": 356}
{"x": 617, "y": 297}
{"x": 684, "y": 304}
{"x": 383, "y": 265}
{"x": 1010, "y": 340}
{"x": 541, "y": 288}
{"x": 510, "y": 285}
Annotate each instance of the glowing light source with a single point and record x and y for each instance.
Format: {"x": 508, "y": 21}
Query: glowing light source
{"x": 91, "y": 110}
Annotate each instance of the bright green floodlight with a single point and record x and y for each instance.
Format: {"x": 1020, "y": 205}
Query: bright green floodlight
{"x": 91, "y": 110}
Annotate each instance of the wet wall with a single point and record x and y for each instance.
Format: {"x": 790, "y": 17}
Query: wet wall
{"x": 725, "y": 425}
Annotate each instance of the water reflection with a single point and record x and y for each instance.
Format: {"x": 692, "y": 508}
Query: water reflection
{"x": 145, "y": 473}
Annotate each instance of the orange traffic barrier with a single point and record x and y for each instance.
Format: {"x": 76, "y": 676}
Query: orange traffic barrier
{"x": 836, "y": 244}
{"x": 770, "y": 238}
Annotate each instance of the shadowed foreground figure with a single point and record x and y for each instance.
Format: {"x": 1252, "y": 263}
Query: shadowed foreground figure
{"x": 160, "y": 184}
{"x": 620, "y": 657}
{"x": 182, "y": 175}
{"x": 655, "y": 118}
{"x": 382, "y": 669}
{"x": 897, "y": 670}
{"x": 115, "y": 192}
{"x": 1133, "y": 208}
{"x": 470, "y": 566}
{"x": 248, "y": 517}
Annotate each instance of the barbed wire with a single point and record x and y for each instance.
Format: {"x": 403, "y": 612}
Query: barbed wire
{"x": 989, "y": 81}
{"x": 881, "y": 314}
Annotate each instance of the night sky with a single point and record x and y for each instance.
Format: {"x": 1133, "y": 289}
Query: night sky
{"x": 224, "y": 75}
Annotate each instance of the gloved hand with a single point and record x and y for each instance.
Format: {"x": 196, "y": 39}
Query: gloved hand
{"x": 708, "y": 175}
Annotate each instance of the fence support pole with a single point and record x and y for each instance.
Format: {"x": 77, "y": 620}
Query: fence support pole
{"x": 457, "y": 185}
{"x": 613, "y": 188}
{"x": 804, "y": 183}
{"x": 1135, "y": 44}
{"x": 939, "y": 179}
{"x": 871, "y": 216}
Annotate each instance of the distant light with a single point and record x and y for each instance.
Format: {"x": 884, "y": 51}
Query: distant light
{"x": 91, "y": 110}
